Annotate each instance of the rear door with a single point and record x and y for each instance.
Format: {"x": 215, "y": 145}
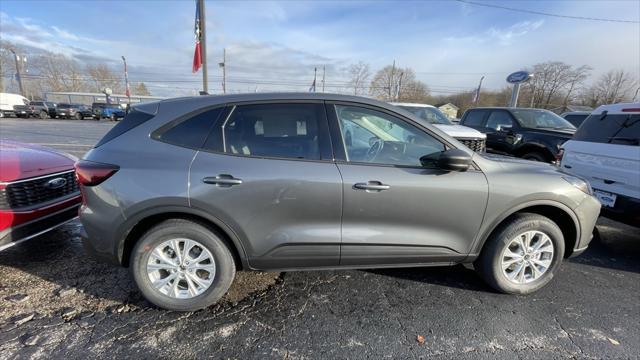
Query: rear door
{"x": 267, "y": 172}
{"x": 395, "y": 210}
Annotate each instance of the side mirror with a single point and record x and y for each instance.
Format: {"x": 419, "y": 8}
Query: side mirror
{"x": 454, "y": 160}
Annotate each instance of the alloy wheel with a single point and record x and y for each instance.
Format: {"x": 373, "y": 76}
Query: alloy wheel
{"x": 181, "y": 268}
{"x": 527, "y": 257}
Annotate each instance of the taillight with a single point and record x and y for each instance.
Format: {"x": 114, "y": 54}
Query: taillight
{"x": 91, "y": 173}
{"x": 559, "y": 156}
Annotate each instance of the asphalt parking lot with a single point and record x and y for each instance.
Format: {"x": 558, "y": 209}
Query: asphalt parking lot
{"x": 56, "y": 302}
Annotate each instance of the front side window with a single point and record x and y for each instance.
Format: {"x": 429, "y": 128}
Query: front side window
{"x": 274, "y": 130}
{"x": 499, "y": 119}
{"x": 541, "y": 119}
{"x": 372, "y": 136}
{"x": 431, "y": 114}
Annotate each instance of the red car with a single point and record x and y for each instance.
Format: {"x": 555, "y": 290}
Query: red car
{"x": 38, "y": 191}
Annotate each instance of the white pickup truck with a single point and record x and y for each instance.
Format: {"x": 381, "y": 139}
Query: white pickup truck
{"x": 472, "y": 138}
{"x": 606, "y": 151}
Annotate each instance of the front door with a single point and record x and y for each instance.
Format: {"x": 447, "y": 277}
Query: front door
{"x": 396, "y": 210}
{"x": 500, "y": 128}
{"x": 268, "y": 174}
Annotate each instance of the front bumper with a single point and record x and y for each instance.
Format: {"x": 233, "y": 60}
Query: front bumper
{"x": 587, "y": 213}
{"x": 38, "y": 225}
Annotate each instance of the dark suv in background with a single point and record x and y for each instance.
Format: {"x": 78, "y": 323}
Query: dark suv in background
{"x": 185, "y": 191}
{"x": 532, "y": 134}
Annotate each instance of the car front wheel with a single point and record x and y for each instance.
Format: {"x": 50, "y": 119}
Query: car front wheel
{"x": 522, "y": 255}
{"x": 182, "y": 265}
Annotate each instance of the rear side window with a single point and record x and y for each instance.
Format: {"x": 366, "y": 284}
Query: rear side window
{"x": 474, "y": 118}
{"x": 191, "y": 132}
{"x": 131, "y": 120}
{"x": 621, "y": 129}
{"x": 274, "y": 130}
{"x": 575, "y": 120}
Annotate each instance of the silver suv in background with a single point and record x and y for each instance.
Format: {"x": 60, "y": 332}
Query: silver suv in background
{"x": 472, "y": 138}
{"x": 187, "y": 191}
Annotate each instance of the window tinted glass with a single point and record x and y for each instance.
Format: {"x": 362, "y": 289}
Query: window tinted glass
{"x": 576, "y": 120}
{"x": 372, "y": 136}
{"x": 274, "y": 130}
{"x": 474, "y": 118}
{"x": 193, "y": 131}
{"x": 37, "y": 103}
{"x": 541, "y": 119}
{"x": 133, "y": 119}
{"x": 499, "y": 118}
{"x": 432, "y": 115}
{"x": 613, "y": 129}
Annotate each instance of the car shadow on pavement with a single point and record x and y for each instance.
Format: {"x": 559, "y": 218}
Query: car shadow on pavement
{"x": 457, "y": 276}
{"x": 614, "y": 246}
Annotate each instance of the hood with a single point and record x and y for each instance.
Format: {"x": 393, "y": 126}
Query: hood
{"x": 459, "y": 131}
{"x": 21, "y": 161}
{"x": 518, "y": 165}
{"x": 563, "y": 134}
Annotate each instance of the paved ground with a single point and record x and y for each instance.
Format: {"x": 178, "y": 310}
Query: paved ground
{"x": 55, "y": 302}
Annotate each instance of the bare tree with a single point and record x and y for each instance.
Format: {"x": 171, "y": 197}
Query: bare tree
{"x": 141, "y": 89}
{"x": 553, "y": 83}
{"x": 359, "y": 74}
{"x": 101, "y": 76}
{"x": 398, "y": 84}
{"x": 60, "y": 73}
{"x": 613, "y": 87}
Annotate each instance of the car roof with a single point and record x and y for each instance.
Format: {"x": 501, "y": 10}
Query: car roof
{"x": 622, "y": 108}
{"x": 412, "y": 104}
{"x": 208, "y": 100}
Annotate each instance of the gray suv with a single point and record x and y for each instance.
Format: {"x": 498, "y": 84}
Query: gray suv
{"x": 187, "y": 191}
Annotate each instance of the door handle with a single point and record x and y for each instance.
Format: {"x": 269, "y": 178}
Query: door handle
{"x": 222, "y": 180}
{"x": 372, "y": 186}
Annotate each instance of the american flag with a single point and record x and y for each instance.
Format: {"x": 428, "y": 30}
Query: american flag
{"x": 197, "y": 55}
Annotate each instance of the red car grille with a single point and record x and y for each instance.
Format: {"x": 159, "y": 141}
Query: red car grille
{"x": 29, "y": 193}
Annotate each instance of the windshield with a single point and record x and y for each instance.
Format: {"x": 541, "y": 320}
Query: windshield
{"x": 541, "y": 119}
{"x": 432, "y": 115}
{"x": 621, "y": 129}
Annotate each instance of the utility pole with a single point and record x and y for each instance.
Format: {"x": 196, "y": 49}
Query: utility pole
{"x": 391, "y": 80}
{"x": 223, "y": 65}
{"x": 203, "y": 46}
{"x": 127, "y": 90}
{"x": 315, "y": 73}
{"x": 323, "y": 72}
{"x": 399, "y": 86}
{"x": 16, "y": 58}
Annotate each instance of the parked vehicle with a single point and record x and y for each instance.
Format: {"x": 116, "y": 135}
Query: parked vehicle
{"x": 112, "y": 112}
{"x": 38, "y": 191}
{"x": 532, "y": 134}
{"x": 576, "y": 118}
{"x": 472, "y": 138}
{"x": 42, "y": 109}
{"x": 186, "y": 191}
{"x": 73, "y": 111}
{"x": 606, "y": 151}
{"x": 8, "y": 101}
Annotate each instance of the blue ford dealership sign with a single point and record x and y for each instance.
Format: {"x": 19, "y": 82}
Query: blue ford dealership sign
{"x": 518, "y": 77}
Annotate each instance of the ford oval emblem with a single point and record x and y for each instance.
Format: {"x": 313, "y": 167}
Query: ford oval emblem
{"x": 55, "y": 183}
{"x": 518, "y": 77}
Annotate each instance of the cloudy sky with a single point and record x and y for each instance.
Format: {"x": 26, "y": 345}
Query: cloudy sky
{"x": 276, "y": 45}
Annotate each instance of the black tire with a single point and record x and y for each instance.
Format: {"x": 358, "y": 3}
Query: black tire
{"x": 114, "y": 117}
{"x": 225, "y": 268}
{"x": 43, "y": 115}
{"x": 78, "y": 116}
{"x": 489, "y": 267}
{"x": 535, "y": 156}
{"x": 1, "y": 114}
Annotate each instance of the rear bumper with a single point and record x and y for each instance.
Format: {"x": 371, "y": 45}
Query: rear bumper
{"x": 626, "y": 210}
{"x": 39, "y": 225}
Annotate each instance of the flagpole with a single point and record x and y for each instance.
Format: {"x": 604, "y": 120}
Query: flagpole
{"x": 203, "y": 46}
{"x": 315, "y": 72}
{"x": 126, "y": 81}
{"x": 477, "y": 97}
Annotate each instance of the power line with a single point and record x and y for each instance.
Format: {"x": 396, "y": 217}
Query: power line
{"x": 547, "y": 14}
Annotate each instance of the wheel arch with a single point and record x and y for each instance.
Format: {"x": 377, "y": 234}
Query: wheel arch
{"x": 559, "y": 213}
{"x": 535, "y": 147}
{"x": 138, "y": 224}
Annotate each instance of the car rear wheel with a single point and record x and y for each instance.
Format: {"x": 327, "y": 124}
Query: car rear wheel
{"x": 114, "y": 117}
{"x": 522, "y": 255}
{"x": 182, "y": 265}
{"x": 78, "y": 116}
{"x": 43, "y": 115}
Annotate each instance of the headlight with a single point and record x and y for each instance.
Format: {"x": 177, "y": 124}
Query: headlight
{"x": 579, "y": 183}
